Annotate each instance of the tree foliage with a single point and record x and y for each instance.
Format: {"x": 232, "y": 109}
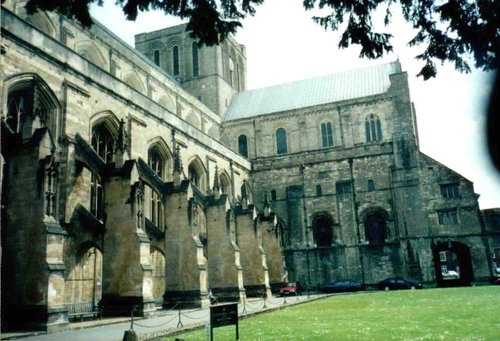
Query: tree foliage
{"x": 458, "y": 31}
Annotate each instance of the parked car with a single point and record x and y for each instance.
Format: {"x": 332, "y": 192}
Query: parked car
{"x": 292, "y": 288}
{"x": 343, "y": 285}
{"x": 450, "y": 274}
{"x": 397, "y": 283}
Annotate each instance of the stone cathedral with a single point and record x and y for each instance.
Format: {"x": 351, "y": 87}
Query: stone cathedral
{"x": 147, "y": 177}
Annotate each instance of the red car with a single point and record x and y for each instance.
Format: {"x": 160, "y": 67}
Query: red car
{"x": 292, "y": 288}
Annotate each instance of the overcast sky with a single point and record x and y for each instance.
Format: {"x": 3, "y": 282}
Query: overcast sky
{"x": 283, "y": 45}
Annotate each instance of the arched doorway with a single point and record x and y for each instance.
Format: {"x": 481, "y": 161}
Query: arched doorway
{"x": 84, "y": 282}
{"x": 452, "y": 263}
{"x": 375, "y": 228}
{"x": 323, "y": 230}
{"x": 157, "y": 260}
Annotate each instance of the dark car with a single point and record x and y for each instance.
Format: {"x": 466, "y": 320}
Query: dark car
{"x": 343, "y": 285}
{"x": 397, "y": 283}
{"x": 292, "y": 288}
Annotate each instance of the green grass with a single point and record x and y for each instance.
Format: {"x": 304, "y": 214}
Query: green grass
{"x": 430, "y": 314}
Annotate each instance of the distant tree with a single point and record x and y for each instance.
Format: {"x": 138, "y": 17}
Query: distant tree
{"x": 463, "y": 32}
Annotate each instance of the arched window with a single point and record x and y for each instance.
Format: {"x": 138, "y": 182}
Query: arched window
{"x": 30, "y": 105}
{"x": 156, "y": 57}
{"x": 20, "y": 107}
{"x": 225, "y": 184}
{"x": 155, "y": 161}
{"x": 157, "y": 164}
{"x": 375, "y": 228}
{"x": 371, "y": 185}
{"x": 373, "y": 129}
{"x": 175, "y": 60}
{"x": 196, "y": 64}
{"x": 281, "y": 144}
{"x": 193, "y": 176}
{"x": 103, "y": 142}
{"x": 96, "y": 197}
{"x": 326, "y": 134}
{"x": 319, "y": 191}
{"x": 242, "y": 145}
{"x": 323, "y": 230}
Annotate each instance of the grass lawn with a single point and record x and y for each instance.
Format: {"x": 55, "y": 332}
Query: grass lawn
{"x": 431, "y": 314}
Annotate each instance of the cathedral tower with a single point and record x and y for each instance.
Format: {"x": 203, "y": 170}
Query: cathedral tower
{"x": 211, "y": 74}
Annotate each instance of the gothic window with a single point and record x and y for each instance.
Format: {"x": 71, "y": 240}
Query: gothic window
{"x": 156, "y": 209}
{"x": 373, "y": 129}
{"x": 242, "y": 145}
{"x": 371, "y": 185}
{"x": 196, "y": 63}
{"x": 319, "y": 191}
{"x": 375, "y": 228}
{"x": 448, "y": 217}
{"x": 20, "y": 105}
{"x": 238, "y": 77}
{"x": 343, "y": 187}
{"x": 225, "y": 185}
{"x": 193, "y": 175}
{"x": 281, "y": 143}
{"x": 103, "y": 142}
{"x": 175, "y": 60}
{"x": 139, "y": 205}
{"x": 326, "y": 134}
{"x": 155, "y": 161}
{"x": 323, "y": 231}
{"x": 96, "y": 197}
{"x": 156, "y": 57}
{"x": 449, "y": 190}
{"x": 231, "y": 71}
{"x": 50, "y": 188}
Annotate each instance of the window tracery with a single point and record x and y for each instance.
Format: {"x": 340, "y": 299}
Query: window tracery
{"x": 373, "y": 128}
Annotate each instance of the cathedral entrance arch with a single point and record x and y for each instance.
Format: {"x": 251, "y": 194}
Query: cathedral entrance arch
{"x": 376, "y": 226}
{"x": 157, "y": 260}
{"x": 323, "y": 229}
{"x": 452, "y": 263}
{"x": 84, "y": 282}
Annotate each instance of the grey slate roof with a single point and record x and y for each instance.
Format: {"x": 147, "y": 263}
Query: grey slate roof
{"x": 310, "y": 92}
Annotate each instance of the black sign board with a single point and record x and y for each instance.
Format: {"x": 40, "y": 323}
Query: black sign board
{"x": 224, "y": 315}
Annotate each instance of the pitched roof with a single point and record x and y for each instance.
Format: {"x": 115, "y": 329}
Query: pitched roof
{"x": 315, "y": 91}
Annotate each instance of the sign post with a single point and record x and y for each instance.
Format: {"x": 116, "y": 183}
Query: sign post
{"x": 224, "y": 315}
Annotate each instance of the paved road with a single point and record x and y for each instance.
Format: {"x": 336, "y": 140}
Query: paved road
{"x": 167, "y": 323}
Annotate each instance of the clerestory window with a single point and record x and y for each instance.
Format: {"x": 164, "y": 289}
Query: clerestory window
{"x": 175, "y": 60}
{"x": 196, "y": 63}
{"x": 243, "y": 145}
{"x": 281, "y": 143}
{"x": 326, "y": 134}
{"x": 156, "y": 57}
{"x": 373, "y": 128}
